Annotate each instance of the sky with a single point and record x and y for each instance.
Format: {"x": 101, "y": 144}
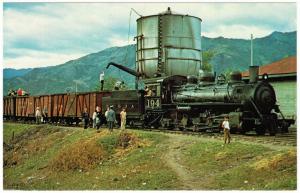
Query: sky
{"x": 47, "y": 34}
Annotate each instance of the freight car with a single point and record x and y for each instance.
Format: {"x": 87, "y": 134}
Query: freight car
{"x": 67, "y": 108}
{"x": 61, "y": 108}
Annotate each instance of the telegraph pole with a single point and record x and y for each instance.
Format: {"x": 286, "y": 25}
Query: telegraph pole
{"x": 251, "y": 63}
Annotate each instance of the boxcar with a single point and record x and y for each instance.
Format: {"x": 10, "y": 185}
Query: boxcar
{"x": 9, "y": 107}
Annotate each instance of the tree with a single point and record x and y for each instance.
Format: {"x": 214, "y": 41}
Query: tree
{"x": 207, "y": 57}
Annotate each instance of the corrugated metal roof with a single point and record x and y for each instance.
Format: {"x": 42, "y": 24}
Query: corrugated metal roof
{"x": 284, "y": 66}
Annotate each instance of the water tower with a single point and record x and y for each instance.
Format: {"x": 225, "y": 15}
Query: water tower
{"x": 168, "y": 44}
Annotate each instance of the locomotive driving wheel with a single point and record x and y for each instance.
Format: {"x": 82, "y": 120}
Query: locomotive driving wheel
{"x": 260, "y": 130}
{"x": 272, "y": 127}
{"x": 269, "y": 124}
{"x": 246, "y": 125}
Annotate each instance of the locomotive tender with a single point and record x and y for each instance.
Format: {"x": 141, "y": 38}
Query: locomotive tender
{"x": 169, "y": 62}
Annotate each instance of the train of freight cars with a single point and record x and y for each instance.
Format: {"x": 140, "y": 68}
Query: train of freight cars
{"x": 179, "y": 94}
{"x": 178, "y": 102}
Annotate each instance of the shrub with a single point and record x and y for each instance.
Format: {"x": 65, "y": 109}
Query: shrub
{"x": 80, "y": 155}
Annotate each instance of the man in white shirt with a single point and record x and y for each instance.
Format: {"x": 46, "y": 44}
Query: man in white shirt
{"x": 226, "y": 127}
{"x": 102, "y": 80}
{"x": 94, "y": 118}
{"x": 38, "y": 115}
{"x": 123, "y": 118}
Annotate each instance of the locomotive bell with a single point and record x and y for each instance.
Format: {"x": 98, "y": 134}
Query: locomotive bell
{"x": 235, "y": 76}
{"x": 207, "y": 77}
{"x": 192, "y": 79}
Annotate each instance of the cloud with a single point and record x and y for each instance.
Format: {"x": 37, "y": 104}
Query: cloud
{"x": 40, "y": 34}
{"x": 37, "y": 59}
{"x": 238, "y": 31}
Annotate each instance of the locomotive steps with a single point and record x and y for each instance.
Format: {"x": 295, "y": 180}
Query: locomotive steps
{"x": 59, "y": 158}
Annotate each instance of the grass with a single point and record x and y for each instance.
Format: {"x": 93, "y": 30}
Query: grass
{"x": 138, "y": 166}
{"x": 241, "y": 166}
{"x": 11, "y": 128}
{"x": 58, "y": 158}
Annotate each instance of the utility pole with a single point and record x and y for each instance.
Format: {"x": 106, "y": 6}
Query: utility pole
{"x": 251, "y": 63}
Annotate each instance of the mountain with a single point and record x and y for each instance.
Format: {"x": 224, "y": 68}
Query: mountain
{"x": 229, "y": 54}
{"x": 235, "y": 53}
{"x": 11, "y": 73}
{"x": 82, "y": 73}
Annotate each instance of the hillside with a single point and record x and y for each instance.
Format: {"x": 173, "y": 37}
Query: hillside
{"x": 47, "y": 157}
{"x": 11, "y": 73}
{"x": 235, "y": 53}
{"x": 229, "y": 54}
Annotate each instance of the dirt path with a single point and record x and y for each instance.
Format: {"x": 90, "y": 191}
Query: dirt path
{"x": 172, "y": 159}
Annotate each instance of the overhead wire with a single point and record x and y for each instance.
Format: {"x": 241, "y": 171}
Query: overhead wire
{"x": 125, "y": 60}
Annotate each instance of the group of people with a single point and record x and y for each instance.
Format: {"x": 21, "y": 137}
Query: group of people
{"x": 99, "y": 118}
{"x": 41, "y": 116}
{"x": 18, "y": 92}
{"x": 110, "y": 117}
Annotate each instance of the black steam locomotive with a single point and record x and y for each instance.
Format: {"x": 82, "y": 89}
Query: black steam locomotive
{"x": 189, "y": 102}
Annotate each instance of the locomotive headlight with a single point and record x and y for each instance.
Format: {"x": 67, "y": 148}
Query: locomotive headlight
{"x": 265, "y": 76}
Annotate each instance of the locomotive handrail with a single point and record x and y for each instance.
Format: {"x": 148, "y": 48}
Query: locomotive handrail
{"x": 255, "y": 107}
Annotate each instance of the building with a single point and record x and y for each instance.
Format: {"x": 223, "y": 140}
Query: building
{"x": 282, "y": 75}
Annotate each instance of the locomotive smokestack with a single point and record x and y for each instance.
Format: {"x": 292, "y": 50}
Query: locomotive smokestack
{"x": 253, "y": 73}
{"x": 253, "y": 70}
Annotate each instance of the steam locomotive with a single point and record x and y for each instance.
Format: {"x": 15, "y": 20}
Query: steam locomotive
{"x": 169, "y": 62}
{"x": 189, "y": 102}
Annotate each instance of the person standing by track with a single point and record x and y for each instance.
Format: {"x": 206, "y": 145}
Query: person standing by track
{"x": 85, "y": 118}
{"x": 38, "y": 115}
{"x": 94, "y": 118}
{"x": 98, "y": 118}
{"x": 45, "y": 114}
{"x": 123, "y": 118}
{"x": 226, "y": 127}
{"x": 111, "y": 118}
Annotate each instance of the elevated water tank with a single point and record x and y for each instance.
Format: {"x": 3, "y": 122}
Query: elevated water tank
{"x": 168, "y": 44}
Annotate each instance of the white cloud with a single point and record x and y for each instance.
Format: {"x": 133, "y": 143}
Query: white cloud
{"x": 37, "y": 59}
{"x": 238, "y": 31}
{"x": 58, "y": 30}
{"x": 117, "y": 40}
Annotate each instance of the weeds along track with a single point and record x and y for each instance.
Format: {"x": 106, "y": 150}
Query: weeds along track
{"x": 284, "y": 139}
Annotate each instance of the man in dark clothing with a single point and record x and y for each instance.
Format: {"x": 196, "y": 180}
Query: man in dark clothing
{"x": 111, "y": 118}
{"x": 85, "y": 118}
{"x": 45, "y": 114}
{"x": 98, "y": 118}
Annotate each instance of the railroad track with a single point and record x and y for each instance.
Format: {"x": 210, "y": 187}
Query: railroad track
{"x": 285, "y": 139}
